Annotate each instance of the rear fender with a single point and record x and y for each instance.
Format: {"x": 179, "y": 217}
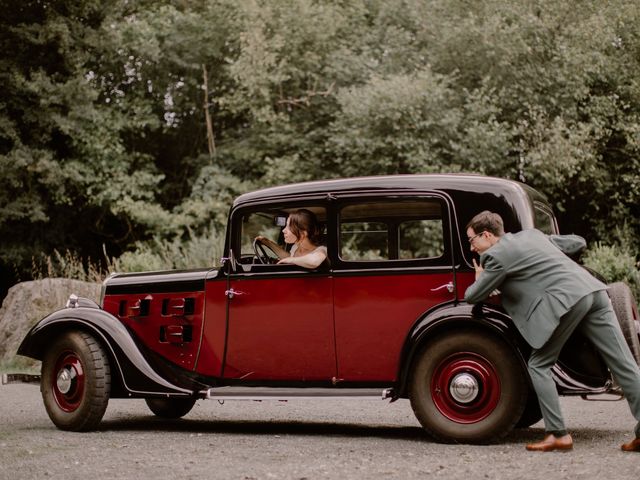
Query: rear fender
{"x": 131, "y": 369}
{"x": 454, "y": 317}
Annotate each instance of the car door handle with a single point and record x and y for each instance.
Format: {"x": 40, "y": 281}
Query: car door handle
{"x": 232, "y": 293}
{"x": 448, "y": 286}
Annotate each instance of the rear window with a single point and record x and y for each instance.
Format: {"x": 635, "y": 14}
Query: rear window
{"x": 544, "y": 219}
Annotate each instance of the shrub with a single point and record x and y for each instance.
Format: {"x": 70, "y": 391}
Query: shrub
{"x": 195, "y": 252}
{"x": 615, "y": 263}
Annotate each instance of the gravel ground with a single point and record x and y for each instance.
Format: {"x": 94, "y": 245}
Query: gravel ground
{"x": 301, "y": 439}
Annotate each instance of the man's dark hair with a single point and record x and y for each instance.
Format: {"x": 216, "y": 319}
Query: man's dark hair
{"x": 487, "y": 221}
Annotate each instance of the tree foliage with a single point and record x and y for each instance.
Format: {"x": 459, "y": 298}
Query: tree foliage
{"x": 104, "y": 138}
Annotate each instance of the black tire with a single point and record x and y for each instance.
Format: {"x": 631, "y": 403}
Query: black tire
{"x": 469, "y": 358}
{"x": 531, "y": 413}
{"x": 170, "y": 407}
{"x": 626, "y": 309}
{"x": 76, "y": 382}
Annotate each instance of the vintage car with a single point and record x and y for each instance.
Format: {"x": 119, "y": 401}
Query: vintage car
{"x": 383, "y": 316}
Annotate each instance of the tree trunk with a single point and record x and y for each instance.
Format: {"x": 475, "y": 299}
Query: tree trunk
{"x": 211, "y": 144}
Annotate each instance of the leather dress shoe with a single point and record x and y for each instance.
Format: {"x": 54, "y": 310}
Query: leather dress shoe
{"x": 551, "y": 443}
{"x": 632, "y": 446}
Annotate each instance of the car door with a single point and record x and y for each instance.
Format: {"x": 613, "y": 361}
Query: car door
{"x": 280, "y": 317}
{"x": 394, "y": 264}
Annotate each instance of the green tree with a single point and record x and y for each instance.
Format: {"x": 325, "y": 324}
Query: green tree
{"x": 134, "y": 124}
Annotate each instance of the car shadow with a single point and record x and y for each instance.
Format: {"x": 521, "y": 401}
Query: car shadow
{"x": 264, "y": 427}
{"x": 311, "y": 428}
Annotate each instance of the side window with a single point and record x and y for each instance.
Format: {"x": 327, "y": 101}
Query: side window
{"x": 269, "y": 222}
{"x": 544, "y": 220}
{"x": 258, "y": 223}
{"x": 367, "y": 240}
{"x": 392, "y": 230}
{"x": 421, "y": 239}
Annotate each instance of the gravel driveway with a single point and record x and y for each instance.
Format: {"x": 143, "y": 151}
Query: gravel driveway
{"x": 302, "y": 439}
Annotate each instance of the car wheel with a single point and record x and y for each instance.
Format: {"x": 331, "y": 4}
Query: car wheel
{"x": 467, "y": 387}
{"x": 170, "y": 407}
{"x": 531, "y": 413}
{"x": 76, "y": 382}
{"x": 626, "y": 309}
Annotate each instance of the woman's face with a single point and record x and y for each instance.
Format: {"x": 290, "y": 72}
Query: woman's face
{"x": 289, "y": 237}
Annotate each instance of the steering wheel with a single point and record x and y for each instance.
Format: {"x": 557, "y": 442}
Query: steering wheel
{"x": 260, "y": 250}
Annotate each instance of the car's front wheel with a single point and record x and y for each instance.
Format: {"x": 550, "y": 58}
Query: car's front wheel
{"x": 467, "y": 387}
{"x": 76, "y": 381}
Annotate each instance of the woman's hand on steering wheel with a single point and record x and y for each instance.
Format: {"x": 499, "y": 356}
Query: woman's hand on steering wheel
{"x": 260, "y": 251}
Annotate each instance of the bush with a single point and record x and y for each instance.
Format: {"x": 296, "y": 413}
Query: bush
{"x": 615, "y": 263}
{"x": 177, "y": 254}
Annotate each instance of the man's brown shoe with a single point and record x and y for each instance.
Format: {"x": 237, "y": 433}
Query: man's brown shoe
{"x": 632, "y": 446}
{"x": 551, "y": 443}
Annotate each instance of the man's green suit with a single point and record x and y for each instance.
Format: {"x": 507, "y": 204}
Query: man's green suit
{"x": 548, "y": 296}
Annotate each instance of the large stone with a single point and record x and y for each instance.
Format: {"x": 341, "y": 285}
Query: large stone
{"x": 28, "y": 302}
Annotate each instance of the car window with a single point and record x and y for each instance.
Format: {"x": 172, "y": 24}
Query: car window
{"x": 258, "y": 223}
{"x": 391, "y": 230}
{"x": 364, "y": 240}
{"x": 421, "y": 239}
{"x": 269, "y": 223}
{"x": 544, "y": 220}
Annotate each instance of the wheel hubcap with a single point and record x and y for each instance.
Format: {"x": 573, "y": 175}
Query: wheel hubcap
{"x": 65, "y": 377}
{"x": 465, "y": 387}
{"x": 69, "y": 381}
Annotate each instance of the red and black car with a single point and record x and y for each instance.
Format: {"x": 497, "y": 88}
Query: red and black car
{"x": 383, "y": 316}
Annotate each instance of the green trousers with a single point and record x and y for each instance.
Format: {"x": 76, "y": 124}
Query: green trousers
{"x": 594, "y": 317}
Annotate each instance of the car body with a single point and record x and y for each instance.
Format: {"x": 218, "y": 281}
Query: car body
{"x": 384, "y": 315}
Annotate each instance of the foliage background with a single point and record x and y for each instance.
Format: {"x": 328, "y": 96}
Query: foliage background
{"x": 103, "y": 132}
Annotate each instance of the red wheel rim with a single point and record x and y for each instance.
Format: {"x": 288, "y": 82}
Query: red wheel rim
{"x": 68, "y": 381}
{"x": 465, "y": 387}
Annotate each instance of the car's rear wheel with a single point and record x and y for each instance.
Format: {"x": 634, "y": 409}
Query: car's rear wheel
{"x": 531, "y": 413}
{"x": 76, "y": 382}
{"x": 626, "y": 309}
{"x": 468, "y": 387}
{"x": 170, "y": 407}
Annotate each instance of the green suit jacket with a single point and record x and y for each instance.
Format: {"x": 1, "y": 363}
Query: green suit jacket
{"x": 537, "y": 280}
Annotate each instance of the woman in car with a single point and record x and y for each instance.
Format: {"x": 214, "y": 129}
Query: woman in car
{"x": 303, "y": 231}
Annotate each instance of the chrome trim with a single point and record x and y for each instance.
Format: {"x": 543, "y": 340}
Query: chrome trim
{"x": 464, "y": 388}
{"x": 564, "y": 380}
{"x": 448, "y": 286}
{"x": 277, "y": 393}
{"x": 64, "y": 380}
{"x": 72, "y": 302}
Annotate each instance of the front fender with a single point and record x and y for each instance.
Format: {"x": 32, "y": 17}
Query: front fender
{"x": 135, "y": 374}
{"x": 457, "y": 316}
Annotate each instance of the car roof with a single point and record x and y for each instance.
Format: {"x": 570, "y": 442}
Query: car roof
{"x": 393, "y": 183}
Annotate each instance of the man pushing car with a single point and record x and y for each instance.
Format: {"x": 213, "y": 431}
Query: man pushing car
{"x": 548, "y": 296}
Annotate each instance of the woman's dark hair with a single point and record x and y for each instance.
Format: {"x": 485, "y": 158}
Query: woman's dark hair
{"x": 304, "y": 220}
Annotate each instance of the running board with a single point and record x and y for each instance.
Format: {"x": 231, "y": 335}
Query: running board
{"x": 275, "y": 393}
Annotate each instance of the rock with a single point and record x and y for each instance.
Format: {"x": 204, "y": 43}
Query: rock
{"x": 27, "y": 302}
